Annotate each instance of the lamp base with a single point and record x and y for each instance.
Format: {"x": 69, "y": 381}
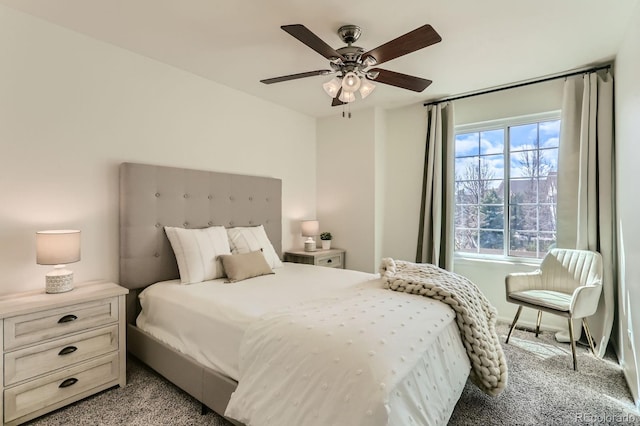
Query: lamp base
{"x": 310, "y": 245}
{"x": 59, "y": 281}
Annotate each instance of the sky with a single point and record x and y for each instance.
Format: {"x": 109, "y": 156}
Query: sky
{"x": 489, "y": 144}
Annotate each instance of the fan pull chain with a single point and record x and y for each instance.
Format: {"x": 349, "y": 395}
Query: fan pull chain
{"x": 346, "y": 114}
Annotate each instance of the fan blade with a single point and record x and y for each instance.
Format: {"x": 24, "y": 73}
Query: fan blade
{"x": 303, "y": 34}
{"x": 295, "y": 76}
{"x": 410, "y": 42}
{"x": 397, "y": 79}
{"x": 336, "y": 101}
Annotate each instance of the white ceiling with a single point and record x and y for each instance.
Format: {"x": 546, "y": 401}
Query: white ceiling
{"x": 239, "y": 42}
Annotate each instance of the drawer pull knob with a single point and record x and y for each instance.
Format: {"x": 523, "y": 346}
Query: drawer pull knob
{"x": 68, "y": 350}
{"x": 329, "y": 261}
{"x": 67, "y": 318}
{"x": 68, "y": 382}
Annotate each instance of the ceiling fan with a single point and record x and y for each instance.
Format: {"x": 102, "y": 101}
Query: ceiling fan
{"x": 353, "y": 65}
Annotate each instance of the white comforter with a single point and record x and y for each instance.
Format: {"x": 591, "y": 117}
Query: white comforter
{"x": 207, "y": 320}
{"x": 340, "y": 361}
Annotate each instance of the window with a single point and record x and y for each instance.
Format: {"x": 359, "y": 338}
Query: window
{"x": 506, "y": 186}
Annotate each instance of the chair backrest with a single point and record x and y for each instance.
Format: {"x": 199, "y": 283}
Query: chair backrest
{"x": 565, "y": 270}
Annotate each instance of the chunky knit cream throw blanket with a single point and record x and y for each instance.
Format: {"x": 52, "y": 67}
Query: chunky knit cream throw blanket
{"x": 475, "y": 316}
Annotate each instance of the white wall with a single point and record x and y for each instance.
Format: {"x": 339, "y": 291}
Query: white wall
{"x": 72, "y": 109}
{"x": 346, "y": 176}
{"x": 380, "y": 185}
{"x": 405, "y": 137}
{"x": 524, "y": 100}
{"x": 627, "y": 109}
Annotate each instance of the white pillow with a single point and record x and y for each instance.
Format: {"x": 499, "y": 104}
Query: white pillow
{"x": 252, "y": 238}
{"x": 197, "y": 252}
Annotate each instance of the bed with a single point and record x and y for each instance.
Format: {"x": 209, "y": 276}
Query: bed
{"x": 421, "y": 369}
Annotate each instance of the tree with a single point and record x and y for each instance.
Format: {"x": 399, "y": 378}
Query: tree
{"x": 491, "y": 213}
{"x": 532, "y": 164}
{"x": 475, "y": 182}
{"x": 470, "y": 189}
{"x": 532, "y": 200}
{"x": 516, "y": 223}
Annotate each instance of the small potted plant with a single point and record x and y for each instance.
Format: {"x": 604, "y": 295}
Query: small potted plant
{"x": 326, "y": 240}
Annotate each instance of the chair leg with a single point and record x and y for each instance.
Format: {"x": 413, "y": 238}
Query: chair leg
{"x": 513, "y": 324}
{"x": 538, "y": 323}
{"x": 573, "y": 345}
{"x": 589, "y": 337}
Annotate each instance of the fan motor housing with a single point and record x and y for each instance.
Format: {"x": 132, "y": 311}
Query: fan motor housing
{"x": 349, "y": 33}
{"x": 351, "y": 53}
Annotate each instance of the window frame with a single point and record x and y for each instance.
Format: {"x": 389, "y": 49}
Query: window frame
{"x": 503, "y": 124}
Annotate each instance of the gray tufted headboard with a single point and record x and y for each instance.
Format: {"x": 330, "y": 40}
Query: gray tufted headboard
{"x": 152, "y": 197}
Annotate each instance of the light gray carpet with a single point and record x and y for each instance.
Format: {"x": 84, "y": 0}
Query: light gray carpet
{"x": 543, "y": 389}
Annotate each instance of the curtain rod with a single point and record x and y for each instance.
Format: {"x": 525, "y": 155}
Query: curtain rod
{"x": 516, "y": 85}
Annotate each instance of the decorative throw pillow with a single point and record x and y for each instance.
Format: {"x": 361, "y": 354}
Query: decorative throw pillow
{"x": 197, "y": 252}
{"x": 253, "y": 238}
{"x": 241, "y": 266}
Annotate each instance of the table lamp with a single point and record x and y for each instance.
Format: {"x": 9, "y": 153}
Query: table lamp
{"x": 58, "y": 248}
{"x": 310, "y": 228}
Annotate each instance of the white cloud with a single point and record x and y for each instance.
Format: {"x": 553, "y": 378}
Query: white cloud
{"x": 466, "y": 144}
{"x": 550, "y": 126}
{"x": 550, "y": 142}
{"x": 491, "y": 147}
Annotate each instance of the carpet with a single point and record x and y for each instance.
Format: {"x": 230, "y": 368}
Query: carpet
{"x": 543, "y": 389}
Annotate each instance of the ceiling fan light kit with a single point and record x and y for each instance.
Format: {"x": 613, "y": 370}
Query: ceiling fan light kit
{"x": 350, "y": 82}
{"x": 366, "y": 87}
{"x": 352, "y": 64}
{"x": 332, "y": 86}
{"x": 347, "y": 97}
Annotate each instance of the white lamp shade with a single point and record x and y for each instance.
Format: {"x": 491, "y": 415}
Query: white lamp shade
{"x": 347, "y": 97}
{"x": 350, "y": 82}
{"x": 57, "y": 247}
{"x": 332, "y": 86}
{"x": 310, "y": 228}
{"x": 366, "y": 88}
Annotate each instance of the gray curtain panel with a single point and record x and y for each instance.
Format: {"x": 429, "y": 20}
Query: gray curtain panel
{"x": 435, "y": 232}
{"x": 586, "y": 192}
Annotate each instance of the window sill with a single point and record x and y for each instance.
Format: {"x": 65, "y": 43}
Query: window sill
{"x": 504, "y": 260}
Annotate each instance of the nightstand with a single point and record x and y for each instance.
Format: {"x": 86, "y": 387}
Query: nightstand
{"x": 333, "y": 258}
{"x": 59, "y": 348}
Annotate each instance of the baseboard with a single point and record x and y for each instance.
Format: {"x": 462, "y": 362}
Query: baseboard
{"x": 529, "y": 325}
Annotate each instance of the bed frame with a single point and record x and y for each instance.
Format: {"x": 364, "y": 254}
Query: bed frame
{"x": 152, "y": 197}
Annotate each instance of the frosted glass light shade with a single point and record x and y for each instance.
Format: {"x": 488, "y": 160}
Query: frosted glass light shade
{"x": 350, "y": 82}
{"x": 366, "y": 88}
{"x": 347, "y": 97}
{"x": 332, "y": 86}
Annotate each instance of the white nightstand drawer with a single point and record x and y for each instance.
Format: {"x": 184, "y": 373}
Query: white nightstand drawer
{"x": 43, "y": 325}
{"x": 41, "y": 359}
{"x": 49, "y": 390}
{"x": 331, "y": 261}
